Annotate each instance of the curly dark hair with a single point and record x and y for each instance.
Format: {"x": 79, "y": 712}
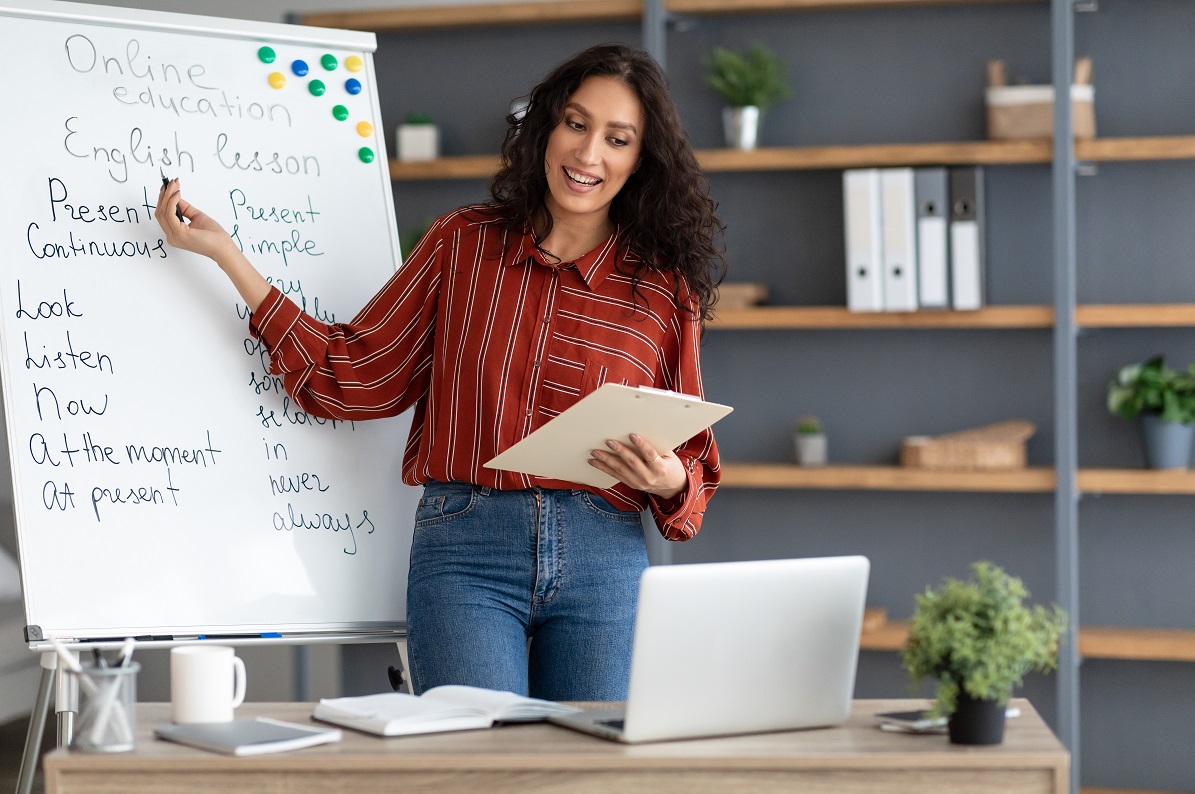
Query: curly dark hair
{"x": 664, "y": 211}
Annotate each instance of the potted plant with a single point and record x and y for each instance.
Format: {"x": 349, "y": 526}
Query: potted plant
{"x": 749, "y": 82}
{"x": 977, "y": 639}
{"x": 810, "y": 442}
{"x": 1164, "y": 399}
{"x": 418, "y": 139}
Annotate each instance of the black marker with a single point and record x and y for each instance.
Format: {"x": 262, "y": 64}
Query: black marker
{"x": 166, "y": 181}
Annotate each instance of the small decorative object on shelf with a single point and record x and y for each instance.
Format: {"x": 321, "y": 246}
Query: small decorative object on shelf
{"x": 1027, "y": 111}
{"x": 810, "y": 442}
{"x": 741, "y": 294}
{"x": 418, "y": 139}
{"x": 977, "y": 639}
{"x": 998, "y": 446}
{"x": 749, "y": 83}
{"x": 1164, "y": 399}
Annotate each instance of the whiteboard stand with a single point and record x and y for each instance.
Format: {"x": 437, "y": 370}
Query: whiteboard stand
{"x": 37, "y": 720}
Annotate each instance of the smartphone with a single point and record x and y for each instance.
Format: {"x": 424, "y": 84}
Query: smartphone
{"x": 911, "y": 721}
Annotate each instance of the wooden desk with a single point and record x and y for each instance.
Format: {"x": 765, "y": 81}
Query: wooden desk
{"x": 540, "y": 758}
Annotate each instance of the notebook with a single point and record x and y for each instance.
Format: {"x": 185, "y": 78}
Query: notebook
{"x": 739, "y": 647}
{"x": 248, "y": 737}
{"x": 442, "y": 708}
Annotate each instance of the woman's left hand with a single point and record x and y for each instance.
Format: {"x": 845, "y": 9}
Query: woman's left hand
{"x": 642, "y": 467}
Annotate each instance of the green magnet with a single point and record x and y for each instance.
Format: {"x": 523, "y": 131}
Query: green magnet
{"x": 340, "y": 112}
{"x": 329, "y": 62}
{"x": 366, "y": 154}
{"x": 267, "y": 54}
{"x": 316, "y": 87}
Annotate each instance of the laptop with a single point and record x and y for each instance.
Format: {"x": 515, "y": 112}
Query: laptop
{"x": 739, "y": 647}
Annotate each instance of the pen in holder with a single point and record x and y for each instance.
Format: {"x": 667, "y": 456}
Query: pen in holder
{"x": 107, "y": 709}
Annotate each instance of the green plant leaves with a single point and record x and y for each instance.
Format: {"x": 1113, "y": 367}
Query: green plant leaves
{"x": 979, "y": 635}
{"x": 1153, "y": 388}
{"x": 755, "y": 77}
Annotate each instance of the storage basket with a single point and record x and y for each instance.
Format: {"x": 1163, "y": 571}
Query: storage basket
{"x": 998, "y": 446}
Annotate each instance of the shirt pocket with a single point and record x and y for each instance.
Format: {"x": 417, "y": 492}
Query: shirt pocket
{"x": 599, "y": 372}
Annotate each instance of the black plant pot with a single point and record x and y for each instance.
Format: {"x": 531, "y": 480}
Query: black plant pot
{"x": 976, "y": 721}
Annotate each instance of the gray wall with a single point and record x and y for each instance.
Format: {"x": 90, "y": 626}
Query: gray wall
{"x": 894, "y": 76}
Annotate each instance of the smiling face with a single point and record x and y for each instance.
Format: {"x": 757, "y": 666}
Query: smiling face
{"x": 593, "y": 150}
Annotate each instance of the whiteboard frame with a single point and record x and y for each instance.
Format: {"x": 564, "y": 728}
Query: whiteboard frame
{"x": 265, "y": 32}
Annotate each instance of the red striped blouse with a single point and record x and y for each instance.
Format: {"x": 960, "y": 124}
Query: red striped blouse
{"x": 488, "y": 341}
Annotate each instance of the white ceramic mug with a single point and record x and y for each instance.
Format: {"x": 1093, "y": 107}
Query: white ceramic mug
{"x": 206, "y": 683}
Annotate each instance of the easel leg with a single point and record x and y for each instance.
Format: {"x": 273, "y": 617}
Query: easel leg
{"x": 398, "y": 681}
{"x": 37, "y": 723}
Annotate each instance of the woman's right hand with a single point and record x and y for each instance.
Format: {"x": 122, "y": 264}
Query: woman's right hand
{"x": 203, "y": 235}
{"x": 200, "y": 235}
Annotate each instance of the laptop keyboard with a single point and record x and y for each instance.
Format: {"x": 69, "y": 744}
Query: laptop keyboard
{"x": 616, "y": 724}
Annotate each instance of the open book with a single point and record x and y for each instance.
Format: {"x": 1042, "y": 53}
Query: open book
{"x": 442, "y": 708}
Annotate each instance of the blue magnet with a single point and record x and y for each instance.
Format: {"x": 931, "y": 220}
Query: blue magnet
{"x": 352, "y": 85}
{"x": 299, "y": 68}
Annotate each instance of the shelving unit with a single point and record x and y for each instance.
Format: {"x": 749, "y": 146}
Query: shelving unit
{"x": 1095, "y": 642}
{"x": 1064, "y": 480}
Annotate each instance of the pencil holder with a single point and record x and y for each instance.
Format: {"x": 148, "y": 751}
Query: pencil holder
{"x": 107, "y": 709}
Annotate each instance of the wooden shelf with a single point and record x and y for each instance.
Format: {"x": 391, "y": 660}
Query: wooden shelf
{"x": 873, "y": 155}
{"x": 884, "y": 478}
{"x": 711, "y": 7}
{"x": 479, "y": 166}
{"x": 862, "y": 156}
{"x": 1137, "y": 481}
{"x": 1160, "y": 315}
{"x": 837, "y": 317}
{"x": 832, "y": 317}
{"x": 1036, "y": 479}
{"x": 481, "y": 14}
{"x": 1105, "y": 150}
{"x": 546, "y": 13}
{"x": 1102, "y": 642}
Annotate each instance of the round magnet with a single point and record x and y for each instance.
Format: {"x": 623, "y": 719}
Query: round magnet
{"x": 340, "y": 113}
{"x": 366, "y": 154}
{"x": 277, "y": 79}
{"x": 299, "y": 68}
{"x": 328, "y": 61}
{"x": 267, "y": 54}
{"x": 352, "y": 85}
{"x": 354, "y": 63}
{"x": 365, "y": 129}
{"x": 317, "y": 87}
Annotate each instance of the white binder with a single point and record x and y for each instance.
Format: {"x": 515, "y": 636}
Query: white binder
{"x": 932, "y": 191}
{"x": 899, "y": 223}
{"x": 967, "y": 237}
{"x": 864, "y": 256}
{"x": 561, "y": 448}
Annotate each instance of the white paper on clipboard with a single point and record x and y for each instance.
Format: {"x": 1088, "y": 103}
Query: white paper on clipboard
{"x": 561, "y": 448}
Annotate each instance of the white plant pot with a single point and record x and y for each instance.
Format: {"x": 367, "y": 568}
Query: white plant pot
{"x": 811, "y": 448}
{"x": 741, "y": 127}
{"x": 418, "y": 142}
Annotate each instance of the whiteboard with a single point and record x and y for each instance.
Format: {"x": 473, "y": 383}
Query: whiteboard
{"x": 163, "y": 483}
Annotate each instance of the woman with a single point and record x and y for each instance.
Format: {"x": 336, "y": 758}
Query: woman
{"x": 596, "y": 261}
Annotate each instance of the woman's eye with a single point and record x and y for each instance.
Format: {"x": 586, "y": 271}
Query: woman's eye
{"x": 576, "y": 125}
{"x": 617, "y": 141}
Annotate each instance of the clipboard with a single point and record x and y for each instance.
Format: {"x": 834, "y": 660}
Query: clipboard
{"x": 561, "y": 448}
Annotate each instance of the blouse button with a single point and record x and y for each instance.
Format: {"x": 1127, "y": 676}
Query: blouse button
{"x": 529, "y": 412}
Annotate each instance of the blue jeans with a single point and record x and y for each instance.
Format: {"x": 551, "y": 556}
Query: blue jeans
{"x": 492, "y": 570}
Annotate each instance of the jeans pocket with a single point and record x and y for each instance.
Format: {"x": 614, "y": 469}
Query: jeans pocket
{"x": 599, "y": 505}
{"x": 444, "y": 501}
